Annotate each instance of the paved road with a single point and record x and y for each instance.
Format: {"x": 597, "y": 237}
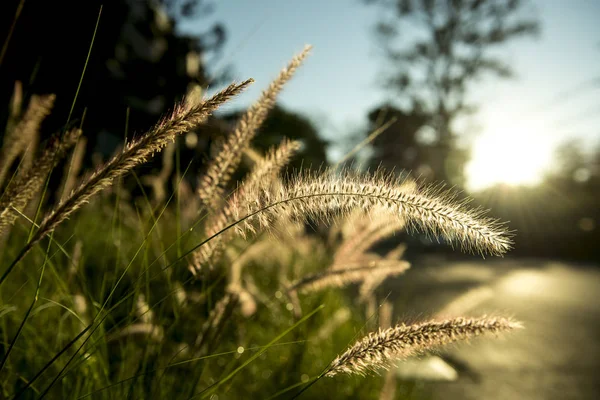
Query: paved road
{"x": 557, "y": 356}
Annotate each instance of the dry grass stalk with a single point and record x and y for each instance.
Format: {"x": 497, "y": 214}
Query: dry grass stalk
{"x": 73, "y": 167}
{"x": 221, "y": 167}
{"x": 269, "y": 167}
{"x": 143, "y": 310}
{"x": 364, "y": 239}
{"x": 80, "y": 306}
{"x": 189, "y": 202}
{"x": 76, "y": 261}
{"x": 258, "y": 294}
{"x": 322, "y": 195}
{"x": 371, "y": 307}
{"x": 137, "y": 152}
{"x": 255, "y": 251}
{"x": 381, "y": 349}
{"x": 397, "y": 252}
{"x": 213, "y": 326}
{"x": 158, "y": 182}
{"x": 264, "y": 173}
{"x": 15, "y": 108}
{"x": 368, "y": 287}
{"x": 372, "y": 282}
{"x": 343, "y": 277}
{"x": 24, "y": 187}
{"x": 246, "y": 300}
{"x": 252, "y": 155}
{"x": 386, "y": 314}
{"x": 370, "y": 259}
{"x": 360, "y": 232}
{"x": 388, "y": 390}
{"x": 24, "y": 135}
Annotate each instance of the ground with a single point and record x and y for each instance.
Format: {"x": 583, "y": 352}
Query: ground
{"x": 556, "y": 356}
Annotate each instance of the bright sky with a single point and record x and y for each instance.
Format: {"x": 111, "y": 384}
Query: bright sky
{"x": 549, "y": 101}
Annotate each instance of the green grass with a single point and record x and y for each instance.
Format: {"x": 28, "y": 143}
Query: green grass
{"x": 106, "y": 305}
{"x": 125, "y": 259}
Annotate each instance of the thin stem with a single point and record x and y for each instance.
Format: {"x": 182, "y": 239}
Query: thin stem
{"x": 11, "y": 30}
{"x": 35, "y": 299}
{"x": 87, "y": 59}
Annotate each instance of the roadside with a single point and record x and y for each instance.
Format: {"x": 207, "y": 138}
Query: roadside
{"x": 557, "y": 356}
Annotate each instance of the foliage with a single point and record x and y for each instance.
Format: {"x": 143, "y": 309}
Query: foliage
{"x": 188, "y": 296}
{"x": 562, "y": 209}
{"x": 141, "y": 63}
{"x": 434, "y": 50}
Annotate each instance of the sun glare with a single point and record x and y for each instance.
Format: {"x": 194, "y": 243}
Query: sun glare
{"x": 513, "y": 154}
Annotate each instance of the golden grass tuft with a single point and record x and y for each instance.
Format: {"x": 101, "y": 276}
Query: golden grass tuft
{"x": 21, "y": 139}
{"x": 229, "y": 154}
{"x": 24, "y": 187}
{"x": 379, "y": 350}
{"x": 343, "y": 277}
{"x": 186, "y": 116}
{"x": 264, "y": 173}
{"x": 324, "y": 195}
{"x": 137, "y": 152}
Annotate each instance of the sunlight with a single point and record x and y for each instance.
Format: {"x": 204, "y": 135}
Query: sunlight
{"x": 511, "y": 153}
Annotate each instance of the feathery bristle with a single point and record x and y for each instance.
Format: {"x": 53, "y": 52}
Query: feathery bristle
{"x": 265, "y": 171}
{"x": 221, "y": 167}
{"x": 343, "y": 277}
{"x": 323, "y": 195}
{"x": 137, "y": 152}
{"x": 25, "y": 134}
{"x": 367, "y": 230}
{"x": 382, "y": 348}
{"x": 22, "y": 189}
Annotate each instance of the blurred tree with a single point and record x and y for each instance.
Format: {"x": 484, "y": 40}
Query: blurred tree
{"x": 139, "y": 66}
{"x": 139, "y": 61}
{"x": 398, "y": 144}
{"x": 411, "y": 144}
{"x": 572, "y": 165}
{"x": 435, "y": 49}
{"x": 559, "y": 218}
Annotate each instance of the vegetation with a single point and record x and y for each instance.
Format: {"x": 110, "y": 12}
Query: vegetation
{"x": 445, "y": 46}
{"x": 214, "y": 292}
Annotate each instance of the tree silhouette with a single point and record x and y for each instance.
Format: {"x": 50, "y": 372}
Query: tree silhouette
{"x": 139, "y": 61}
{"x": 436, "y": 48}
{"x": 139, "y": 66}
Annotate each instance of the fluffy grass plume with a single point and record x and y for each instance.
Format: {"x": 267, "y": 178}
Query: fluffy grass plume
{"x": 22, "y": 188}
{"x": 379, "y": 350}
{"x": 229, "y": 154}
{"x": 266, "y": 170}
{"x": 322, "y": 195}
{"x": 343, "y": 277}
{"x": 185, "y": 117}
{"x": 371, "y": 230}
{"x": 25, "y": 133}
{"x": 137, "y": 152}
{"x": 113, "y": 342}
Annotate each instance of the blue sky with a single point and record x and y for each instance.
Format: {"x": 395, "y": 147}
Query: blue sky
{"x": 547, "y": 102}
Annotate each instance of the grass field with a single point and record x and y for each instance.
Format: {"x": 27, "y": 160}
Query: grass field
{"x": 212, "y": 292}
